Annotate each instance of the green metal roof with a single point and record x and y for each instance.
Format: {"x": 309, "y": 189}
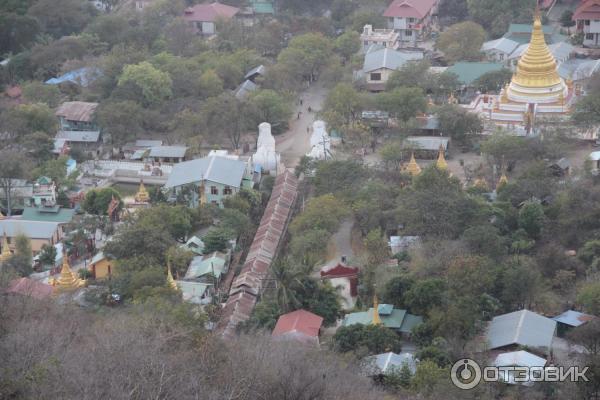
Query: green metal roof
{"x": 528, "y": 28}
{"x": 390, "y": 317}
{"x": 201, "y": 266}
{"x": 263, "y": 7}
{"x": 468, "y": 72}
{"x": 48, "y": 214}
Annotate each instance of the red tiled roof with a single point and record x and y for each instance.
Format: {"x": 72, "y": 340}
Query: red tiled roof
{"x": 30, "y": 287}
{"x": 299, "y": 321}
{"x": 588, "y": 9}
{"x": 209, "y": 12}
{"x": 339, "y": 271}
{"x": 409, "y": 8}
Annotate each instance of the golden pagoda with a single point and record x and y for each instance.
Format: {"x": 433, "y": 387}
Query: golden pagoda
{"x": 376, "y": 318}
{"x": 413, "y": 168}
{"x": 67, "y": 281}
{"x": 502, "y": 181}
{"x": 536, "y": 79}
{"x": 441, "y": 163}
{"x": 6, "y": 254}
{"x": 142, "y": 195}
{"x": 480, "y": 183}
{"x": 170, "y": 281}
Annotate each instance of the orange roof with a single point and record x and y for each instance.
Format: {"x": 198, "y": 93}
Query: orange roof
{"x": 409, "y": 8}
{"x": 13, "y": 91}
{"x": 209, "y": 12}
{"x": 588, "y": 9}
{"x": 298, "y": 322}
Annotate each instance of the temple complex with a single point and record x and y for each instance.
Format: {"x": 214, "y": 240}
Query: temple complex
{"x": 536, "y": 90}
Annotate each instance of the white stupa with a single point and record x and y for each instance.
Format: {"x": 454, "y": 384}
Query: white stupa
{"x": 265, "y": 156}
{"x": 320, "y": 142}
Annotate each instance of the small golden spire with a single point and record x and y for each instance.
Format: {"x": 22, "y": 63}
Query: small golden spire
{"x": 441, "y": 163}
{"x": 67, "y": 280}
{"x": 430, "y": 102}
{"x": 452, "y": 99}
{"x": 413, "y": 168}
{"x": 480, "y": 183}
{"x": 376, "y": 318}
{"x": 6, "y": 254}
{"x": 142, "y": 195}
{"x": 170, "y": 281}
{"x": 502, "y": 181}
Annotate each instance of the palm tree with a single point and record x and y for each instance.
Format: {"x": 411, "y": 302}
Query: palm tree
{"x": 288, "y": 281}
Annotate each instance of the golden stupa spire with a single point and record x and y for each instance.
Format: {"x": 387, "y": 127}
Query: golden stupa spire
{"x": 5, "y": 255}
{"x": 142, "y": 195}
{"x": 441, "y": 163}
{"x": 67, "y": 280}
{"x": 413, "y": 168}
{"x": 376, "y": 318}
{"x": 537, "y": 67}
{"x": 502, "y": 181}
{"x": 480, "y": 183}
{"x": 170, "y": 281}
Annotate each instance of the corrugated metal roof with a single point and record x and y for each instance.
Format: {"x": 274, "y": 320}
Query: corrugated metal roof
{"x": 389, "y": 58}
{"x": 209, "y": 12}
{"x": 503, "y": 44}
{"x": 468, "y": 72}
{"x": 214, "y": 169}
{"x": 573, "y": 318}
{"x": 301, "y": 321}
{"x": 168, "y": 151}
{"x": 431, "y": 143}
{"x": 31, "y": 229}
{"x": 77, "y": 111}
{"x": 519, "y": 359}
{"x": 390, "y": 362}
{"x": 204, "y": 265}
{"x": 60, "y": 215}
{"x": 522, "y": 327}
{"x": 409, "y": 8}
{"x": 79, "y": 136}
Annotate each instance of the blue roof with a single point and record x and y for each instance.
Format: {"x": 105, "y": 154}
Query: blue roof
{"x": 213, "y": 169}
{"x": 82, "y": 76}
{"x": 573, "y": 318}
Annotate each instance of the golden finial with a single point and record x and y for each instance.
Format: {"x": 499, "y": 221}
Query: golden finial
{"x": 502, "y": 181}
{"x": 480, "y": 183}
{"x": 142, "y": 195}
{"x": 67, "y": 280}
{"x": 6, "y": 254}
{"x": 441, "y": 163}
{"x": 170, "y": 281}
{"x": 413, "y": 168}
{"x": 376, "y": 318}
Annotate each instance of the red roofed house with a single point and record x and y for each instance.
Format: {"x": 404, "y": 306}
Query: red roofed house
{"x": 203, "y": 17}
{"x": 345, "y": 279}
{"x": 411, "y": 18}
{"x": 300, "y": 325}
{"x": 30, "y": 287}
{"x": 587, "y": 18}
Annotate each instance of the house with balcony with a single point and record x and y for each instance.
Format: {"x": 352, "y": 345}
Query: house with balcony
{"x": 77, "y": 125}
{"x": 379, "y": 38}
{"x": 412, "y": 19}
{"x": 203, "y": 18}
{"x": 381, "y": 63}
{"x": 587, "y": 22}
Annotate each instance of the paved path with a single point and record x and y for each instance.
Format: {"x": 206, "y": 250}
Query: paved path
{"x": 340, "y": 243}
{"x": 295, "y": 143}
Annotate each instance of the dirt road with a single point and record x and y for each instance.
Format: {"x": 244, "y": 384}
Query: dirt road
{"x": 295, "y": 143}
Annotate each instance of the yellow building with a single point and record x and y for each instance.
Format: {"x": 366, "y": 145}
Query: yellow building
{"x": 101, "y": 267}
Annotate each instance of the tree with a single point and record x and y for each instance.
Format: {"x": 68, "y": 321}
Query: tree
{"x": 12, "y": 167}
{"x": 210, "y": 84}
{"x": 216, "y": 240}
{"x": 38, "y": 92}
{"x": 27, "y": 118}
{"x": 319, "y": 298}
{"x": 485, "y": 240}
{"x": 374, "y": 339}
{"x": 462, "y": 41}
{"x": 341, "y": 177}
{"x": 48, "y": 255}
{"x": 345, "y": 101}
{"x": 531, "y": 218}
{"x": 495, "y": 15}
{"x": 310, "y": 246}
{"x": 150, "y": 85}
{"x": 587, "y": 110}
{"x": 566, "y": 19}
{"x": 376, "y": 247}
{"x": 288, "y": 282}
{"x": 412, "y": 75}
{"x": 347, "y": 44}
{"x": 424, "y": 295}
{"x": 458, "y": 123}
{"x": 122, "y": 119}
{"x": 589, "y": 297}
{"x": 403, "y": 103}
{"x": 21, "y": 261}
{"x": 62, "y": 17}
{"x": 225, "y": 117}
{"x": 17, "y": 32}
{"x": 97, "y": 200}
{"x": 40, "y": 145}
{"x": 427, "y": 375}
{"x": 269, "y": 106}
{"x": 323, "y": 212}
{"x": 493, "y": 81}
{"x": 306, "y": 55}
{"x": 453, "y": 11}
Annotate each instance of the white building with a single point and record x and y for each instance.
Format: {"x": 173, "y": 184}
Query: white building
{"x": 387, "y": 38}
{"x": 266, "y": 157}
